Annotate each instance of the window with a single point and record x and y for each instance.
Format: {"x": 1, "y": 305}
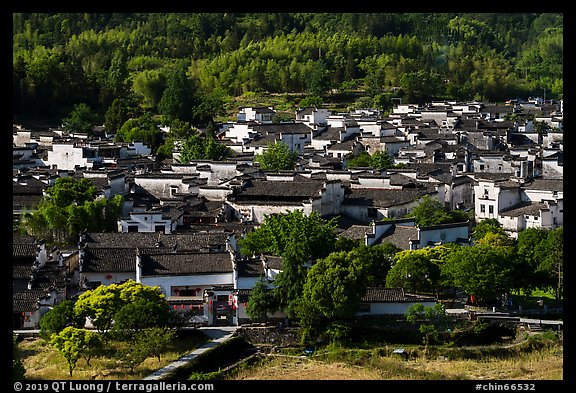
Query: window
{"x": 158, "y": 228}
{"x": 132, "y": 228}
{"x": 481, "y": 167}
{"x": 482, "y": 209}
{"x": 490, "y": 209}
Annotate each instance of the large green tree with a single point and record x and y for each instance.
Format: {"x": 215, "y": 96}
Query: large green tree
{"x": 300, "y": 239}
{"x": 333, "y": 289}
{"x": 277, "y": 157}
{"x": 69, "y": 207}
{"x": 102, "y": 304}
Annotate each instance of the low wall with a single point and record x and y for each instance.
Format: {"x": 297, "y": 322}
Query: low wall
{"x": 284, "y": 336}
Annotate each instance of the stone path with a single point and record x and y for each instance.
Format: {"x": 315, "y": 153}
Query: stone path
{"x": 218, "y": 334}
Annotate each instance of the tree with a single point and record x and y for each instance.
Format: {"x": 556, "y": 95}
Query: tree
{"x": 140, "y": 314}
{"x": 261, "y": 301}
{"x": 412, "y": 270}
{"x": 315, "y": 236}
{"x": 482, "y": 270}
{"x": 435, "y": 316}
{"x": 73, "y": 343}
{"x": 299, "y": 239}
{"x": 333, "y": 289}
{"x": 103, "y": 303}
{"x": 277, "y": 157}
{"x": 552, "y": 264}
{"x": 178, "y": 98}
{"x": 59, "y": 317}
{"x": 69, "y": 207}
{"x": 430, "y": 211}
{"x": 488, "y": 225}
{"x": 200, "y": 147}
{"x": 81, "y": 119}
{"x": 143, "y": 128}
{"x": 120, "y": 111}
{"x": 318, "y": 78}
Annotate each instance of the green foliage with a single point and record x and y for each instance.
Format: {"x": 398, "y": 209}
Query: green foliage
{"x": 431, "y": 320}
{"x": 143, "y": 129}
{"x": 430, "y": 211}
{"x": 70, "y": 207}
{"x": 200, "y": 147}
{"x": 104, "y": 302}
{"x": 81, "y": 119}
{"x": 74, "y": 343}
{"x": 18, "y": 370}
{"x": 277, "y": 157}
{"x": 59, "y": 317}
{"x": 483, "y": 270}
{"x": 489, "y": 225}
{"x": 333, "y": 289}
{"x": 261, "y": 301}
{"x": 63, "y": 59}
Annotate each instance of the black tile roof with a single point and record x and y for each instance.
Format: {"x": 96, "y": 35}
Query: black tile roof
{"x": 186, "y": 241}
{"x": 186, "y": 263}
{"x": 99, "y": 260}
{"x": 392, "y": 295}
{"x": 385, "y": 198}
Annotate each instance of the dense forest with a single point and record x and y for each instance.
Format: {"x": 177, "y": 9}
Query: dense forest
{"x": 189, "y": 66}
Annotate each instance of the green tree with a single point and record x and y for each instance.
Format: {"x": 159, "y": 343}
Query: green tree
{"x": 414, "y": 271}
{"x": 59, "y": 317}
{"x": 381, "y": 160}
{"x": 142, "y": 128}
{"x": 140, "y": 314}
{"x": 333, "y": 289}
{"x": 81, "y": 119}
{"x": 488, "y": 225}
{"x": 102, "y": 304}
{"x": 316, "y": 235}
{"x": 552, "y": 264}
{"x": 120, "y": 111}
{"x": 299, "y": 239}
{"x": 73, "y": 343}
{"x": 261, "y": 301}
{"x": 483, "y": 270}
{"x": 69, "y": 207}
{"x": 431, "y": 320}
{"x": 178, "y": 99}
{"x": 318, "y": 78}
{"x": 277, "y": 157}
{"x": 200, "y": 147}
{"x": 430, "y": 211}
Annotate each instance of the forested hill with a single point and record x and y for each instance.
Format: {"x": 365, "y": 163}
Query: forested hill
{"x": 109, "y": 60}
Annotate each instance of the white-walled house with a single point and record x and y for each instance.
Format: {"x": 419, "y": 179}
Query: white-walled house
{"x": 537, "y": 203}
{"x": 390, "y": 301}
{"x": 261, "y": 197}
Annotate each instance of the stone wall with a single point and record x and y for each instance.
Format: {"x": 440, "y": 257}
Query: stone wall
{"x": 284, "y": 336}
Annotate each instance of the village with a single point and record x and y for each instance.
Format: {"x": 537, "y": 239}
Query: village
{"x": 181, "y": 222}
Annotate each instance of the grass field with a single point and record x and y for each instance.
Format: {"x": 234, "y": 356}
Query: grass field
{"x": 532, "y": 357}
{"x": 43, "y": 362}
{"x": 537, "y": 356}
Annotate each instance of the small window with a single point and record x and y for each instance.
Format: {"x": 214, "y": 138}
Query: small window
{"x": 132, "y": 228}
{"x": 482, "y": 209}
{"x": 490, "y": 209}
{"x": 159, "y": 228}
